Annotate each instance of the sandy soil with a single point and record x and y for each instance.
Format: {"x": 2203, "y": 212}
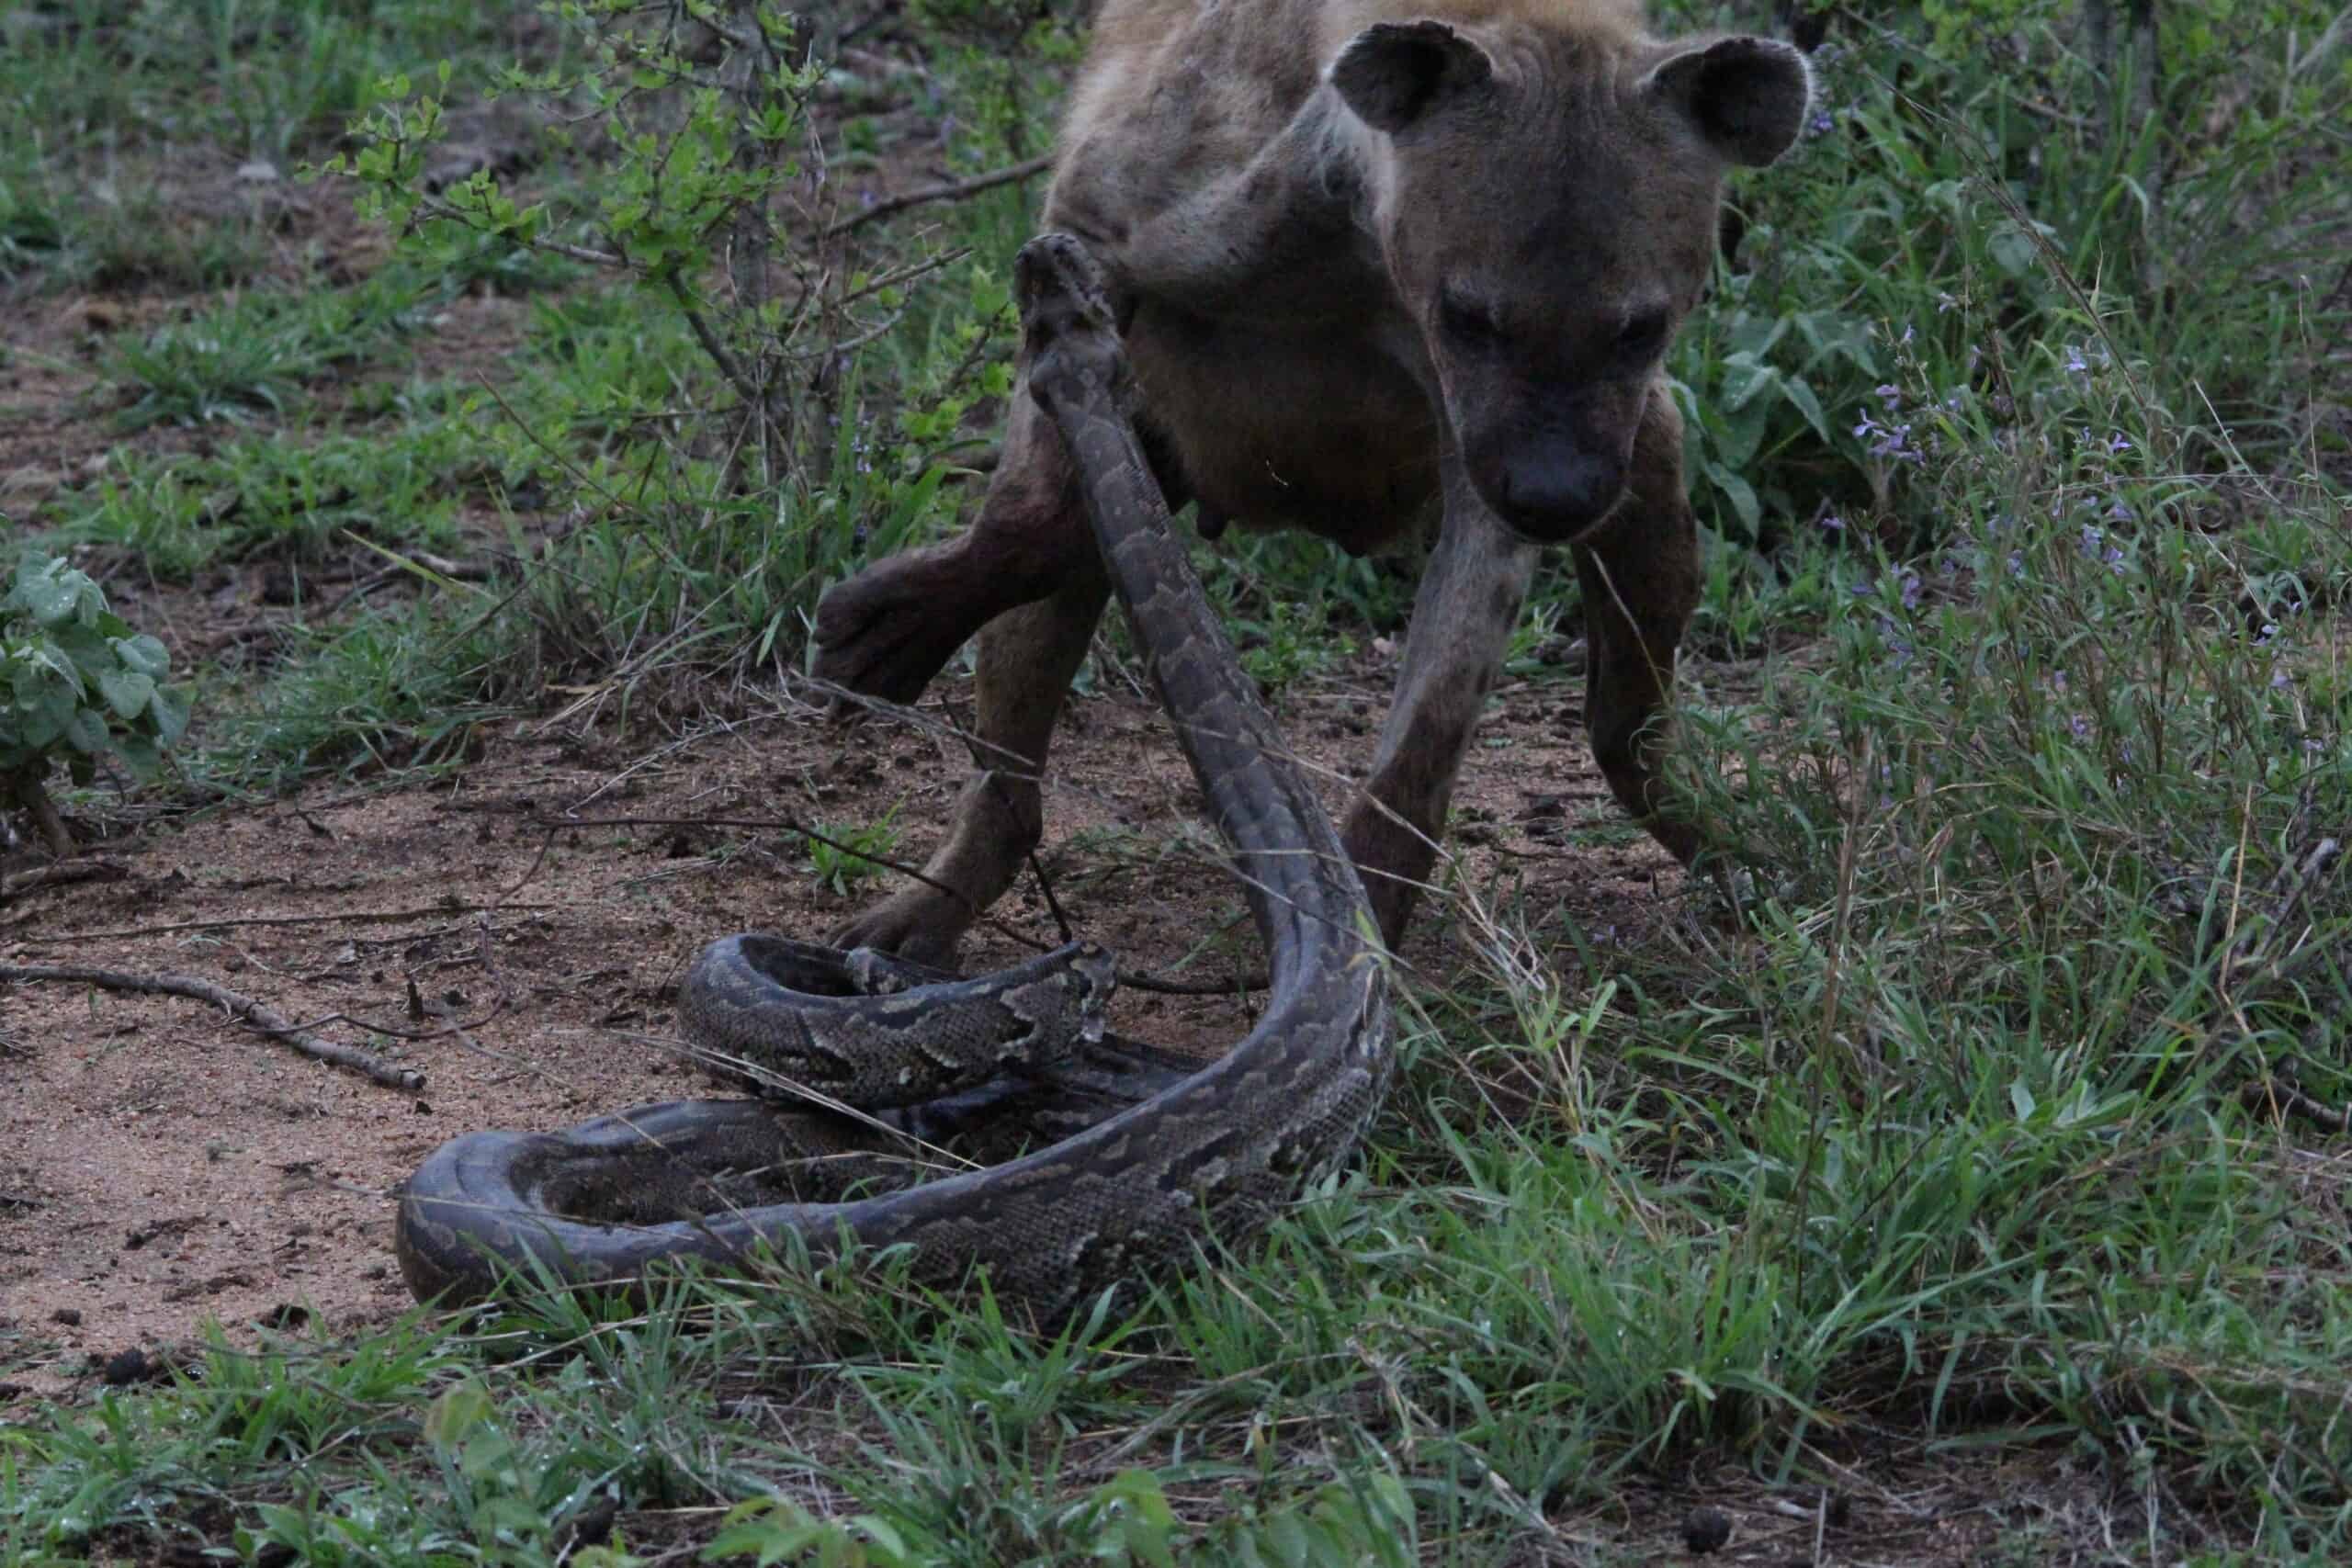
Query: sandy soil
{"x": 159, "y": 1164}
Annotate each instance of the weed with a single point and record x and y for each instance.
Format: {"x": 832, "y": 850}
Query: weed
{"x": 80, "y": 686}
{"x": 1994, "y": 1121}
{"x": 253, "y": 355}
{"x": 850, "y": 854}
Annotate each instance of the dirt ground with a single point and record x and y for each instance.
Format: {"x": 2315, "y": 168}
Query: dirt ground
{"x": 160, "y": 1164}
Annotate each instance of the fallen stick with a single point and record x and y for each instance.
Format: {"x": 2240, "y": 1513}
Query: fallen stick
{"x": 18, "y": 883}
{"x": 243, "y": 1009}
{"x": 347, "y": 917}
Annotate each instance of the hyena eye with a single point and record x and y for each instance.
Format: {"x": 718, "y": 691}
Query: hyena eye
{"x": 1461, "y": 317}
{"x": 1642, "y": 336}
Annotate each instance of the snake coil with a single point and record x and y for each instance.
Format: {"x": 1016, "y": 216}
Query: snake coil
{"x": 1157, "y": 1157}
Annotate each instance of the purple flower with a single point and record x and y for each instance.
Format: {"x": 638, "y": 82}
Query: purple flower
{"x": 2075, "y": 361}
{"x": 2091, "y": 537}
{"x": 2058, "y": 682}
{"x": 2115, "y": 562}
{"x": 2016, "y": 564}
{"x": 2079, "y": 725}
{"x": 2120, "y": 512}
{"x": 2117, "y": 443}
{"x": 1889, "y": 393}
{"x": 1889, "y": 441}
{"x": 1833, "y": 523}
{"x": 1910, "y": 589}
{"x": 1895, "y": 645}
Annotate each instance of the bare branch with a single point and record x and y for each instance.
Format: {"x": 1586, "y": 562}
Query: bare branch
{"x": 955, "y": 190}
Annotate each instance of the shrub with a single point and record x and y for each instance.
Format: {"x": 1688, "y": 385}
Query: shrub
{"x": 76, "y": 683}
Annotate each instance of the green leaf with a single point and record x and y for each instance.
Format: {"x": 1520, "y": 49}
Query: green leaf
{"x": 1739, "y": 492}
{"x": 1738, "y": 435}
{"x": 1801, "y": 396}
{"x": 2012, "y": 250}
{"x": 89, "y": 649}
{"x": 139, "y": 753}
{"x": 1753, "y": 334}
{"x": 144, "y": 654}
{"x": 1287, "y": 1540}
{"x": 86, "y": 732}
{"x": 48, "y": 590}
{"x": 460, "y": 1408}
{"x": 126, "y": 691}
{"x": 169, "y": 710}
{"x": 1744, "y": 377}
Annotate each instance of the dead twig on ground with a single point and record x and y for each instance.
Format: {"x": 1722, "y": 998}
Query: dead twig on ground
{"x": 325, "y": 917}
{"x": 18, "y": 883}
{"x": 253, "y": 1015}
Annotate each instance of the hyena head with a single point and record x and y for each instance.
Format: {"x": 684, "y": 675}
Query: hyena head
{"x": 1546, "y": 202}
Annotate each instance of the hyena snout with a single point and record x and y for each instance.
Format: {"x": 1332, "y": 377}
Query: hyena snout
{"x": 1550, "y": 490}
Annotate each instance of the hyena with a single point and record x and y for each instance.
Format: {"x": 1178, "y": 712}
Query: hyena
{"x": 1372, "y": 260}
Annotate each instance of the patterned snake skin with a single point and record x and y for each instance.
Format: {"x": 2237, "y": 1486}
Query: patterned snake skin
{"x": 1157, "y": 1156}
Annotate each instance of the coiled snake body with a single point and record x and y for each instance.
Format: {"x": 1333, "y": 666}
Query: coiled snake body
{"x": 1157, "y": 1155}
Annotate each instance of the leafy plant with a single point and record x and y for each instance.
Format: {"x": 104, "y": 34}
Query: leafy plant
{"x": 79, "y": 685}
{"x": 701, "y": 213}
{"x": 852, "y": 856}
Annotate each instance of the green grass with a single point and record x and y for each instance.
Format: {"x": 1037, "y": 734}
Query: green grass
{"x": 268, "y": 497}
{"x": 1980, "y": 1140}
{"x": 253, "y": 355}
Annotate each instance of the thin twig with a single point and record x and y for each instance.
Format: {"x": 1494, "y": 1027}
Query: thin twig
{"x": 434, "y": 207}
{"x": 243, "y": 1009}
{"x": 720, "y": 352}
{"x": 1136, "y": 981}
{"x": 955, "y": 190}
{"x": 331, "y": 917}
{"x": 752, "y": 824}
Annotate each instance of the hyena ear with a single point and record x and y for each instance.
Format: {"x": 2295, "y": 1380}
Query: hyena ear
{"x": 1747, "y": 96}
{"x": 1392, "y": 74}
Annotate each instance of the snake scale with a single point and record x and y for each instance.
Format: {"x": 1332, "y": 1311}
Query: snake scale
{"x": 1158, "y": 1154}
